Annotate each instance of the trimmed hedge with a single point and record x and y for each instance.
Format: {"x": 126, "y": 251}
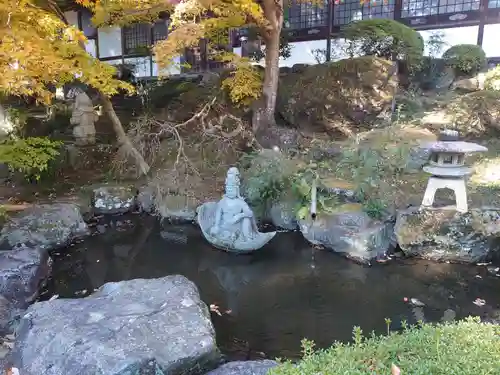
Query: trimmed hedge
{"x": 384, "y": 38}
{"x": 465, "y": 59}
{"x": 464, "y": 348}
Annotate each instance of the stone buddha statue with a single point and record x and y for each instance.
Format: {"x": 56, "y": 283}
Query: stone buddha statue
{"x": 83, "y": 118}
{"x": 230, "y": 223}
{"x": 233, "y": 216}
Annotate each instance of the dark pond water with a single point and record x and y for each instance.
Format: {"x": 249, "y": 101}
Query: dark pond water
{"x": 287, "y": 292}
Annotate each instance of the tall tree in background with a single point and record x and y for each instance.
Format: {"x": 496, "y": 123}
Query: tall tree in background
{"x": 40, "y": 51}
{"x": 192, "y": 20}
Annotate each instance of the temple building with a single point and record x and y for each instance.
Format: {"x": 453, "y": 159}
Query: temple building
{"x": 307, "y": 28}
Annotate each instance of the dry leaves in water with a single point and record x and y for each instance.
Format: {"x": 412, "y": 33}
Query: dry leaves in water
{"x": 216, "y": 309}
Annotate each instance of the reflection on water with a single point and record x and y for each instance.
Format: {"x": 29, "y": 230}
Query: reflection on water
{"x": 280, "y": 295}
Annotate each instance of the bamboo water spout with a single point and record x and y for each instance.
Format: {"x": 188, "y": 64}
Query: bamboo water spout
{"x": 314, "y": 192}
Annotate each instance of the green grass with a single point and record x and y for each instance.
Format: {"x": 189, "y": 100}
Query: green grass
{"x": 464, "y": 348}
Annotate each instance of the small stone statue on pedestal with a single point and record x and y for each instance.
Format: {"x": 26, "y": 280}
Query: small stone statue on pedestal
{"x": 83, "y": 117}
{"x": 230, "y": 223}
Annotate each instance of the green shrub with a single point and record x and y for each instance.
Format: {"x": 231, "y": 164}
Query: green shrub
{"x": 270, "y": 177}
{"x": 384, "y": 38}
{"x": 30, "y": 156}
{"x": 465, "y": 59}
{"x": 464, "y": 348}
{"x": 430, "y": 73}
{"x": 492, "y": 79}
{"x": 372, "y": 165}
{"x": 265, "y": 177}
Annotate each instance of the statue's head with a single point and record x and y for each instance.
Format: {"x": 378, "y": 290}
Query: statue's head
{"x": 232, "y": 183}
{"x": 233, "y": 172}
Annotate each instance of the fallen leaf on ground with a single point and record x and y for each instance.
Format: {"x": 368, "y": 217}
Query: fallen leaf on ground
{"x": 215, "y": 309}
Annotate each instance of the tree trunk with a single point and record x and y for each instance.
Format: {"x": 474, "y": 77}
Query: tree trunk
{"x": 122, "y": 138}
{"x": 263, "y": 116}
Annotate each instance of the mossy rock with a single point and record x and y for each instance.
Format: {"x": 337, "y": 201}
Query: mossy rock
{"x": 352, "y": 90}
{"x": 444, "y": 234}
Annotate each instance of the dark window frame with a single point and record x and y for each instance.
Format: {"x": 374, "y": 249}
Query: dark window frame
{"x": 140, "y": 37}
{"x": 425, "y": 8}
{"x": 304, "y": 15}
{"x": 344, "y": 12}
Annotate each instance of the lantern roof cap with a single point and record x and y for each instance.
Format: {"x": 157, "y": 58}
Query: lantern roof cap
{"x": 458, "y": 147}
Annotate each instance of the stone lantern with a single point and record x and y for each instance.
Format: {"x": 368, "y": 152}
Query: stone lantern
{"x": 447, "y": 168}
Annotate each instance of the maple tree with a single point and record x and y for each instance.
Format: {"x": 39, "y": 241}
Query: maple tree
{"x": 41, "y": 51}
{"x": 192, "y": 20}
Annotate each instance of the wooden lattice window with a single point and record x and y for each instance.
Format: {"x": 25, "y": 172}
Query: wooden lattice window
{"x": 139, "y": 38}
{"x": 421, "y": 8}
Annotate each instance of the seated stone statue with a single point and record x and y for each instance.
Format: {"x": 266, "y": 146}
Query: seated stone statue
{"x": 230, "y": 223}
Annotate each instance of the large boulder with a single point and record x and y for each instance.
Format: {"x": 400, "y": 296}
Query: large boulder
{"x": 175, "y": 208}
{"x": 114, "y": 200}
{"x": 157, "y": 326}
{"x": 45, "y": 226}
{"x": 323, "y": 95}
{"x": 22, "y": 272}
{"x": 282, "y": 214}
{"x": 470, "y": 84}
{"x": 245, "y": 368}
{"x": 444, "y": 234}
{"x": 349, "y": 231}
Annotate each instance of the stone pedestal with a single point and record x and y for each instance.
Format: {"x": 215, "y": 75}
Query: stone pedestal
{"x": 458, "y": 185}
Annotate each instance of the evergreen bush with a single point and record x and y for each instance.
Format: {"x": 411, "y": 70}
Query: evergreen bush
{"x": 465, "y": 59}
{"x": 384, "y": 38}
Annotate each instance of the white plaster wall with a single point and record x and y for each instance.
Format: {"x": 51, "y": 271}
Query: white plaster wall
{"x": 453, "y": 36}
{"x": 110, "y": 42}
{"x": 72, "y": 17}
{"x": 303, "y": 52}
{"x": 491, "y": 44}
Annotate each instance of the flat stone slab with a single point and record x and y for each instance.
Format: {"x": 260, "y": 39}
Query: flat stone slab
{"x": 245, "y": 368}
{"x": 44, "y": 226}
{"x": 443, "y": 234}
{"x": 150, "y": 327}
{"x": 448, "y": 171}
{"x": 454, "y": 147}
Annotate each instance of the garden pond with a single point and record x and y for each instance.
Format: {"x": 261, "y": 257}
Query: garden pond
{"x": 265, "y": 303}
